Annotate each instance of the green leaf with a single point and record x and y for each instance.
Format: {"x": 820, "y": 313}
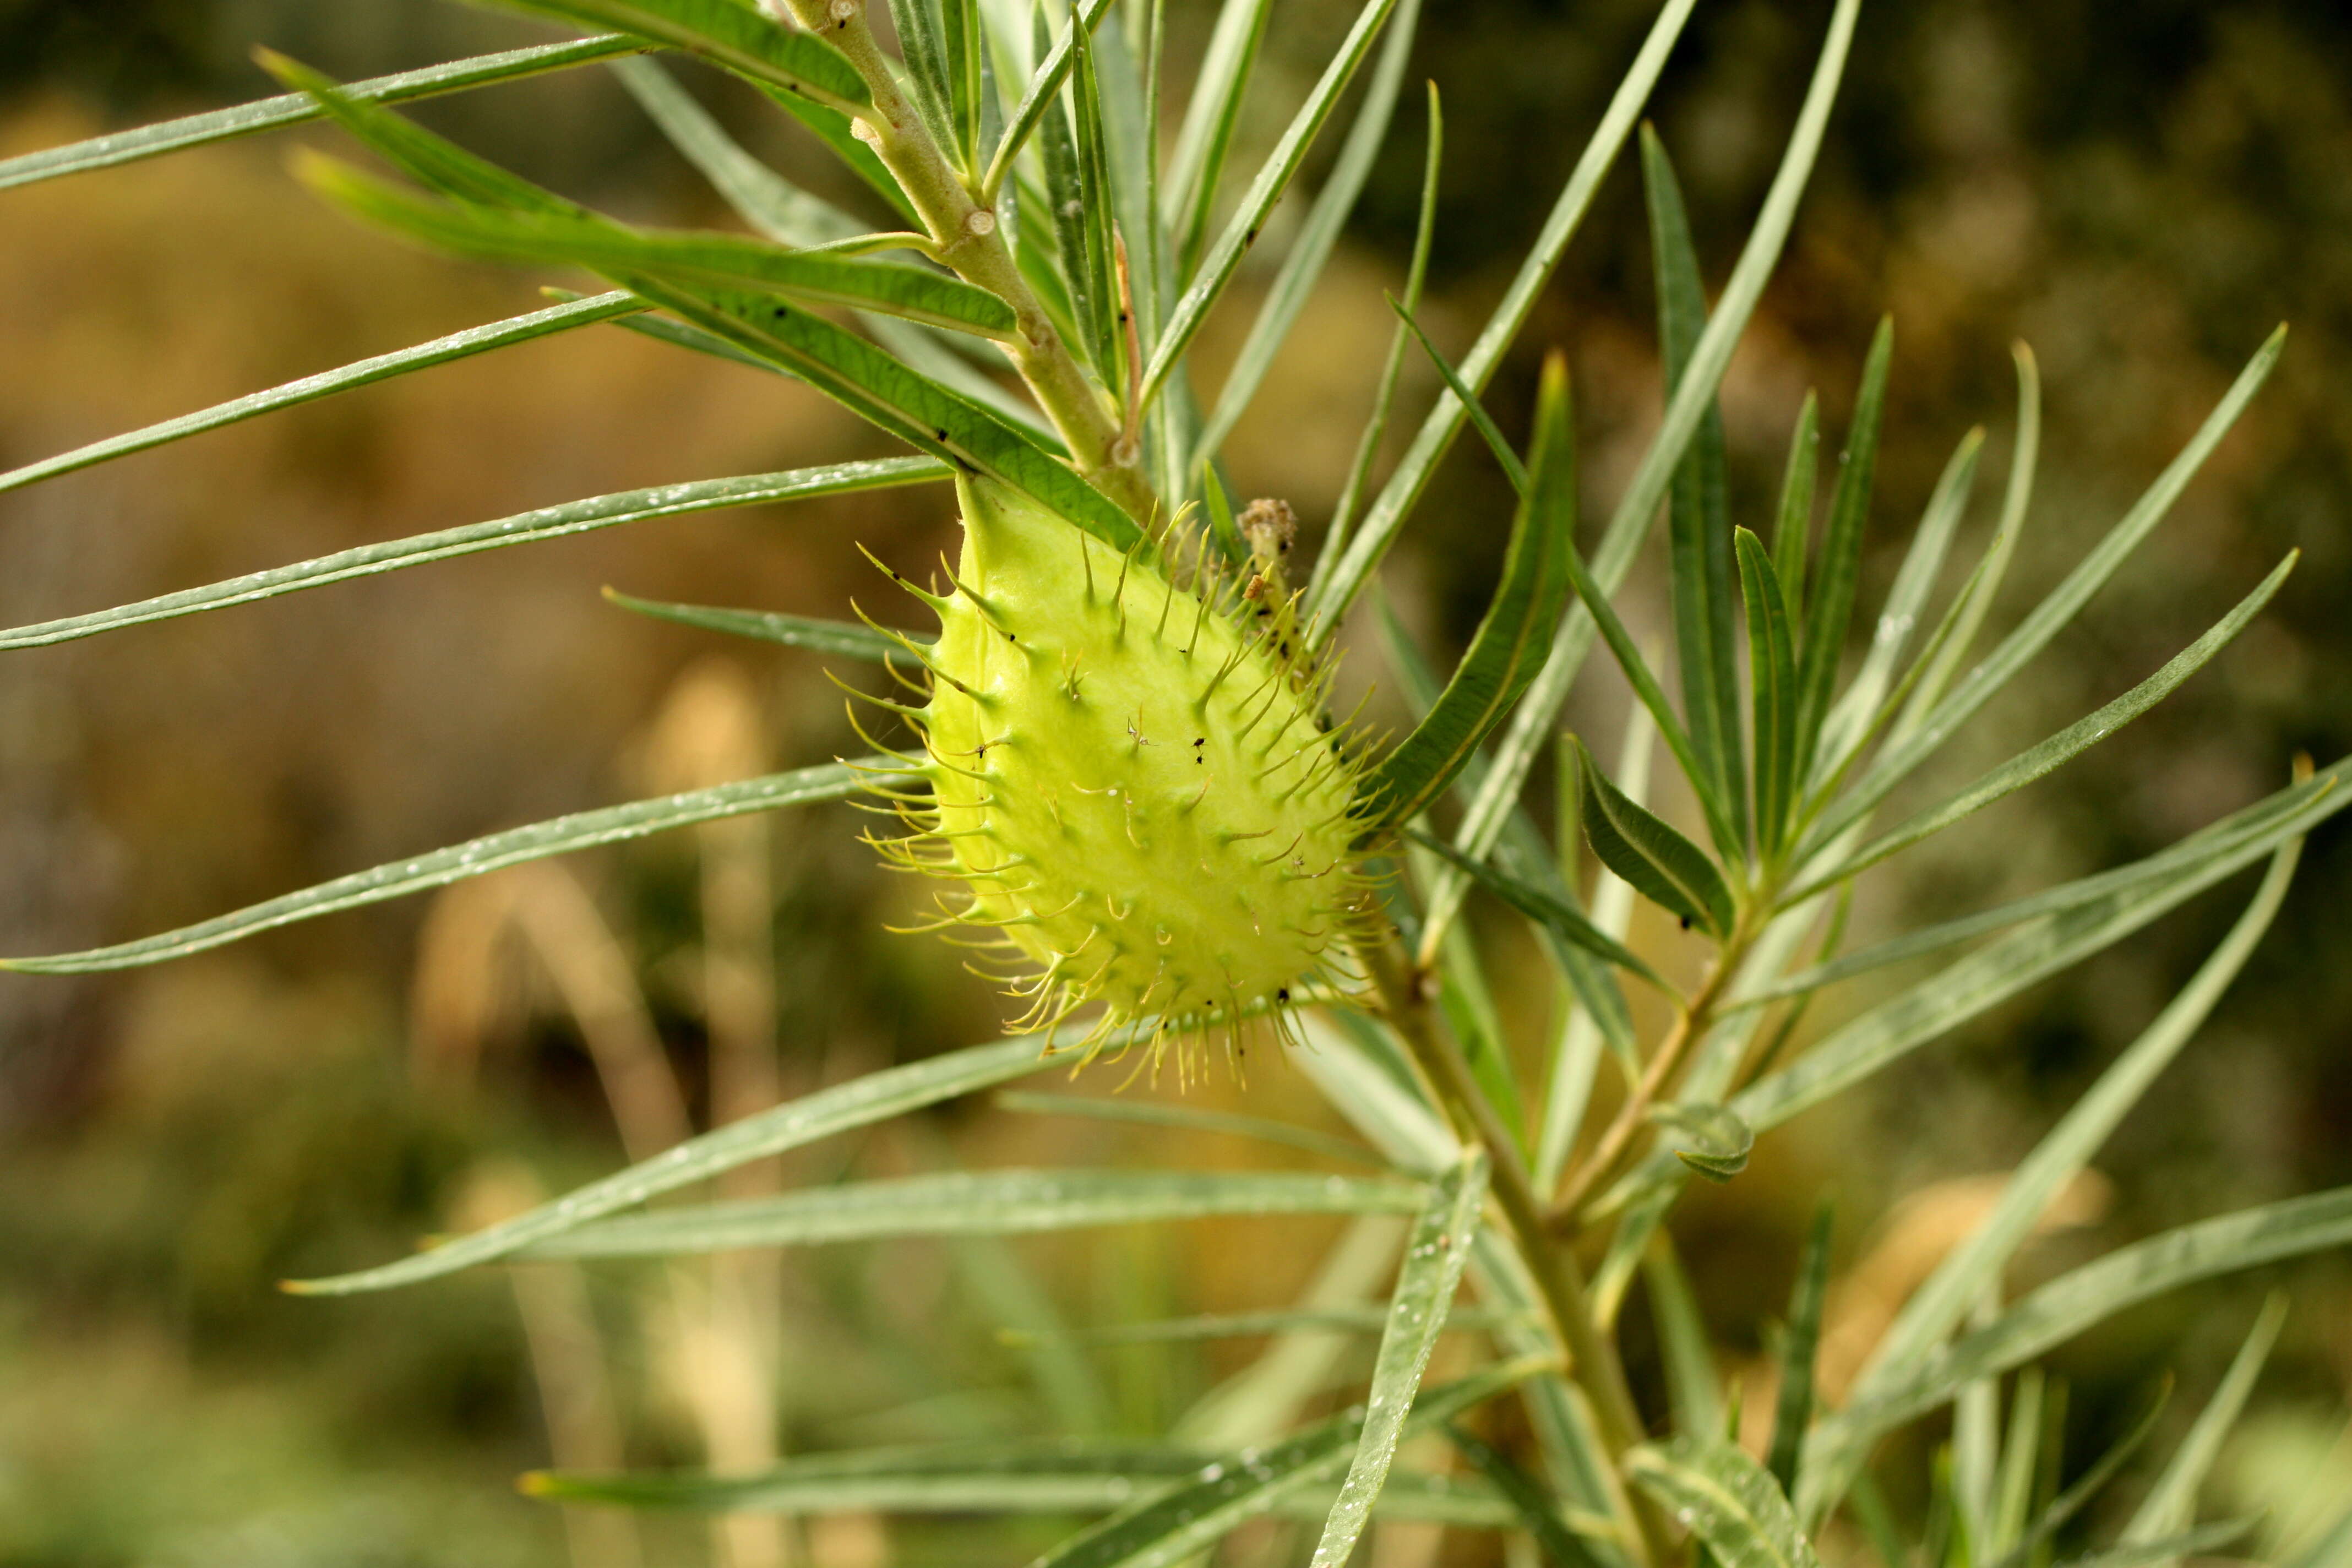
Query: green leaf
{"x": 1531, "y": 728}
{"x": 2056, "y": 609}
{"x": 294, "y": 108}
{"x": 1196, "y": 167}
{"x": 1224, "y": 258}
{"x": 1371, "y": 540}
{"x": 1794, "y": 521}
{"x": 1251, "y": 1325}
{"x": 1041, "y": 96}
{"x": 1154, "y": 1113}
{"x": 860, "y": 1102}
{"x": 1792, "y": 1415}
{"x": 974, "y": 1202}
{"x": 1167, "y": 1528}
{"x": 1857, "y": 716}
{"x": 922, "y": 39}
{"x": 1570, "y": 924}
{"x": 523, "y": 528}
{"x": 1829, "y": 604}
{"x": 2062, "y": 747}
{"x": 1662, "y": 865}
{"x": 1951, "y": 642}
{"x": 1096, "y": 218}
{"x": 809, "y": 278}
{"x": 1975, "y": 1267}
{"x": 1319, "y": 234}
{"x": 920, "y": 410}
{"x": 1085, "y": 267}
{"x": 1728, "y": 1500}
{"x": 1772, "y": 675}
{"x": 1019, "y": 1476}
{"x": 968, "y": 86}
{"x": 763, "y": 198}
{"x": 2013, "y": 1490}
{"x": 1698, "y": 518}
{"x": 1503, "y": 653}
{"x": 837, "y": 131}
{"x": 1538, "y": 1515}
{"x": 2170, "y": 1505}
{"x": 1709, "y": 1139}
{"x": 1480, "y": 420}
{"x": 734, "y": 36}
{"x": 2212, "y": 851}
{"x": 1376, "y": 423}
{"x": 1998, "y": 971}
{"x": 309, "y": 388}
{"x": 2069, "y": 1502}
{"x": 476, "y": 857}
{"x": 2201, "y": 1542}
{"x": 1434, "y": 1256}
{"x": 1728, "y": 840}
{"x": 847, "y": 638}
{"x": 2067, "y": 1305}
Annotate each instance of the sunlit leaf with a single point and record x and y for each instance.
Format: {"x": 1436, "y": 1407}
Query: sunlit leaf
{"x": 1773, "y": 680}
{"x": 1665, "y": 868}
{"x": 476, "y": 857}
{"x": 847, "y": 639}
{"x": 1709, "y": 1139}
{"x": 1728, "y": 1500}
{"x": 1040, "y": 95}
{"x": 523, "y": 528}
{"x": 1829, "y": 599}
{"x": 735, "y": 36}
{"x": 1570, "y": 924}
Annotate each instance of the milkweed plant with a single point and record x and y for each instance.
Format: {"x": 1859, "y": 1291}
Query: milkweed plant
{"x": 1105, "y": 730}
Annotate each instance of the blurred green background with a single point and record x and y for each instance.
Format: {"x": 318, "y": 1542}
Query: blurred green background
{"x": 2141, "y": 192}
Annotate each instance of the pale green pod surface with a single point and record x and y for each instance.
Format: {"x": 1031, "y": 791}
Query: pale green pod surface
{"x": 1129, "y": 780}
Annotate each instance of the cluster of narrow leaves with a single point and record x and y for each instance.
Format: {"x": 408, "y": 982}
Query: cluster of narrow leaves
{"x": 1032, "y": 324}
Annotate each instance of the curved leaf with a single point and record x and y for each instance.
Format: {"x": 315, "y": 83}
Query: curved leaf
{"x": 1570, "y": 924}
{"x": 476, "y": 857}
{"x": 1728, "y": 1500}
{"x": 1709, "y": 1139}
{"x": 1509, "y": 645}
{"x": 847, "y": 639}
{"x": 342, "y": 378}
{"x": 1434, "y": 1255}
{"x": 1663, "y": 866}
{"x": 2170, "y": 1505}
{"x": 294, "y": 108}
{"x": 523, "y": 528}
{"x": 975, "y": 1202}
{"x": 735, "y": 36}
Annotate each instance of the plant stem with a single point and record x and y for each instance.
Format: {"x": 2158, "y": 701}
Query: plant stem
{"x": 1691, "y": 1025}
{"x": 1593, "y": 1360}
{"x": 972, "y": 242}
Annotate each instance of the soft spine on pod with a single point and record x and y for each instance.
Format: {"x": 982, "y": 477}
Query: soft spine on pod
{"x": 1130, "y": 781}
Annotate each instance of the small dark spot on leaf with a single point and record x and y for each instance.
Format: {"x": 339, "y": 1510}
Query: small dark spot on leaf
{"x": 1686, "y": 922}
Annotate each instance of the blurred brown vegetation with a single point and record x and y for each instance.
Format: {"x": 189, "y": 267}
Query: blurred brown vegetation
{"x": 2141, "y": 192}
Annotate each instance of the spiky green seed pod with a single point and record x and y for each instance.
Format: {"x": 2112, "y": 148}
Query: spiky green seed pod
{"x": 1128, "y": 779}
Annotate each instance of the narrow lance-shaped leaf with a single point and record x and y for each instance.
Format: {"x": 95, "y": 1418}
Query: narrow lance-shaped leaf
{"x": 1571, "y": 925}
{"x": 2057, "y": 1312}
{"x": 1792, "y": 1412}
{"x": 1594, "y": 598}
{"x": 763, "y": 198}
{"x": 295, "y": 108}
{"x": 1311, "y": 248}
{"x": 343, "y": 378}
{"x": 1829, "y": 602}
{"x": 1509, "y": 645}
{"x": 1252, "y": 1325}
{"x": 1042, "y": 94}
{"x": 1158, "y": 1114}
{"x": 976, "y": 1202}
{"x": 1539, "y": 1515}
{"x": 970, "y": 90}
{"x": 1532, "y": 729}
{"x": 1274, "y": 176}
{"x": 2170, "y": 1505}
{"x": 1709, "y": 1139}
{"x": 1772, "y": 678}
{"x": 2056, "y": 609}
{"x": 1662, "y": 865}
{"x": 1793, "y": 519}
{"x": 479, "y": 856}
{"x": 1942, "y": 1303}
{"x": 1097, "y": 215}
{"x": 735, "y": 36}
{"x": 1434, "y": 1256}
{"x": 815, "y": 278}
{"x": 1065, "y": 198}
{"x": 1698, "y": 516}
{"x": 1021, "y": 1476}
{"x": 1694, "y": 1386}
{"x": 2090, "y": 1484}
{"x": 1170, "y": 1527}
{"x": 922, "y": 37}
{"x": 847, "y": 638}
{"x": 524, "y": 527}
{"x": 1729, "y": 1501}
{"x": 2066, "y": 746}
{"x": 1482, "y": 421}
{"x": 1196, "y": 166}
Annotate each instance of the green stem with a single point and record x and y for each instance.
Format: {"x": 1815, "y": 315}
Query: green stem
{"x": 972, "y": 242}
{"x": 1592, "y": 1357}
